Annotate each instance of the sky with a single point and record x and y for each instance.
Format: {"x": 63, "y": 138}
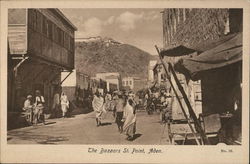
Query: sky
{"x": 139, "y": 27}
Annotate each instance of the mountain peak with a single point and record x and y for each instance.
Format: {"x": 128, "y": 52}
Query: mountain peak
{"x": 98, "y": 39}
{"x": 110, "y": 56}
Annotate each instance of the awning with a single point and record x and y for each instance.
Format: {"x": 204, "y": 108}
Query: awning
{"x": 226, "y": 53}
{"x": 177, "y": 51}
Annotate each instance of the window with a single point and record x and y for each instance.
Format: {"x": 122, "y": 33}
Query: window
{"x": 72, "y": 43}
{"x": 126, "y": 83}
{"x": 181, "y": 15}
{"x": 59, "y": 35}
{"x": 66, "y": 41}
{"x": 130, "y": 82}
{"x": 39, "y": 21}
{"x": 53, "y": 32}
{"x": 55, "y": 36}
{"x": 44, "y": 26}
{"x": 32, "y": 19}
{"x": 50, "y": 29}
{"x": 69, "y": 43}
{"x": 35, "y": 20}
{"x": 62, "y": 37}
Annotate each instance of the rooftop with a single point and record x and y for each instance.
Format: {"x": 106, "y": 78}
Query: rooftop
{"x": 111, "y": 77}
{"x": 65, "y": 18}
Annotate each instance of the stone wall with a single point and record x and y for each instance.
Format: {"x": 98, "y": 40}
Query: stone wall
{"x": 190, "y": 27}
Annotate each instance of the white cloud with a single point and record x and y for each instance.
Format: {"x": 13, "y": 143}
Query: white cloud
{"x": 127, "y": 20}
{"x": 109, "y": 21}
{"x": 155, "y": 17}
{"x": 152, "y": 15}
{"x": 91, "y": 27}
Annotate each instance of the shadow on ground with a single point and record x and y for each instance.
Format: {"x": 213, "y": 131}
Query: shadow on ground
{"x": 49, "y": 123}
{"x": 40, "y": 139}
{"x": 136, "y": 136}
{"x": 106, "y": 123}
{"x": 53, "y": 140}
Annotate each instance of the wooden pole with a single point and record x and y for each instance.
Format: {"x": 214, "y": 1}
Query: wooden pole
{"x": 66, "y": 77}
{"x": 182, "y": 108}
{"x": 190, "y": 109}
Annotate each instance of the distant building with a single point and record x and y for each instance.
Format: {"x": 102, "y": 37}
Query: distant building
{"x": 128, "y": 82}
{"x": 134, "y": 83}
{"x": 107, "y": 41}
{"x": 159, "y": 73}
{"x": 151, "y": 66}
{"x": 139, "y": 83}
{"x": 73, "y": 82}
{"x": 113, "y": 80}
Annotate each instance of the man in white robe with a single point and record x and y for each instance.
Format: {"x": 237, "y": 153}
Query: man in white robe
{"x": 97, "y": 105}
{"x": 129, "y": 117}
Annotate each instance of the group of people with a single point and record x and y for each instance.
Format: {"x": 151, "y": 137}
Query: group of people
{"x": 34, "y": 111}
{"x": 159, "y": 101}
{"x": 123, "y": 107}
{"x": 60, "y": 104}
{"x": 165, "y": 109}
{"x": 34, "y": 108}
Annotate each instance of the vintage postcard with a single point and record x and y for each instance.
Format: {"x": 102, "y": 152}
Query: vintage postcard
{"x": 125, "y": 81}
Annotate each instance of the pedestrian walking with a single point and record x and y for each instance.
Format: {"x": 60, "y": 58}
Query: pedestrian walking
{"x": 97, "y": 104}
{"x": 108, "y": 99}
{"x": 28, "y": 109}
{"x": 129, "y": 118}
{"x": 64, "y": 104}
{"x": 131, "y": 96}
{"x": 118, "y": 111}
{"x": 56, "y": 104}
{"x": 114, "y": 99}
{"x": 39, "y": 108}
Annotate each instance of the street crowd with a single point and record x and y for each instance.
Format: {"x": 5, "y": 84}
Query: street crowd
{"x": 122, "y": 105}
{"x": 159, "y": 100}
{"x": 33, "y": 109}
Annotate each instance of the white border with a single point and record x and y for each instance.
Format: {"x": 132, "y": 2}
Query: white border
{"x": 78, "y": 153}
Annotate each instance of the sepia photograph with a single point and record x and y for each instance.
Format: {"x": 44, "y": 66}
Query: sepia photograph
{"x": 94, "y": 76}
{"x": 136, "y": 76}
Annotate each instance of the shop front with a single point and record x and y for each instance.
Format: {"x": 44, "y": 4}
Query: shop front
{"x": 220, "y": 72}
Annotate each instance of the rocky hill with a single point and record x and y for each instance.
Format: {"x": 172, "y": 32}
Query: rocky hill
{"x": 98, "y": 54}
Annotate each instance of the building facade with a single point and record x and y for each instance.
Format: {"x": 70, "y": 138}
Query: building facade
{"x": 134, "y": 83}
{"x": 151, "y": 66}
{"x": 128, "y": 82}
{"x": 75, "y": 85}
{"x": 113, "y": 80}
{"x": 189, "y": 32}
{"x": 41, "y": 46}
{"x": 159, "y": 73}
{"x": 139, "y": 83}
{"x": 191, "y": 27}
